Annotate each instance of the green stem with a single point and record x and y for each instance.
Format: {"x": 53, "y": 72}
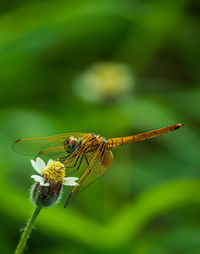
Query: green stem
{"x": 27, "y": 231}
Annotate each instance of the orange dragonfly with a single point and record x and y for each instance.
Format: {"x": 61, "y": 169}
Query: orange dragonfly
{"x": 86, "y": 155}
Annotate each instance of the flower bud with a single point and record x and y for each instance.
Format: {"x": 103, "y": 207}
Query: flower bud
{"x": 47, "y": 189}
{"x": 45, "y": 196}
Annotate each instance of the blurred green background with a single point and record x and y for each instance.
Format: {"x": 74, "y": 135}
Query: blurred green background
{"x": 115, "y": 68}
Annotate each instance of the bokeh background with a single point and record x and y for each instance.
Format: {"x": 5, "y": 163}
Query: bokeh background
{"x": 115, "y": 68}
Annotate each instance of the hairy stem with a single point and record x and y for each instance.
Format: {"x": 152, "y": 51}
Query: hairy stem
{"x": 27, "y": 231}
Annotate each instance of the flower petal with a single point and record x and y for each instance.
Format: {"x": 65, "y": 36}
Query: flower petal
{"x": 40, "y": 163}
{"x": 40, "y": 180}
{"x": 50, "y": 161}
{"x": 71, "y": 178}
{"x": 37, "y": 178}
{"x": 44, "y": 184}
{"x": 70, "y": 181}
{"x": 35, "y": 166}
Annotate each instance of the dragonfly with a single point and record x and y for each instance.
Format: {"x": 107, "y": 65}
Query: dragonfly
{"x": 84, "y": 154}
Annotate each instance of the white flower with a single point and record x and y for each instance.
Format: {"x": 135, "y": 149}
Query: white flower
{"x": 54, "y": 171}
{"x": 104, "y": 81}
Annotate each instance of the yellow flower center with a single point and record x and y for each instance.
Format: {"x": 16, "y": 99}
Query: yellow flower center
{"x": 55, "y": 172}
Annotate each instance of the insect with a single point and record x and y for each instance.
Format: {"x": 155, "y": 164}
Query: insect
{"x": 84, "y": 154}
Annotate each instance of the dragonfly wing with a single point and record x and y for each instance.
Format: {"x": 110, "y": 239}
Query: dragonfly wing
{"x": 99, "y": 161}
{"x": 49, "y": 147}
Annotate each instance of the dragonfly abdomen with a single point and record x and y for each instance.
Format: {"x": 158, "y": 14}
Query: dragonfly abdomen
{"x": 115, "y": 142}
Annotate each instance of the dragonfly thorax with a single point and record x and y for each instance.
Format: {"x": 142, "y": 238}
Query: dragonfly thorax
{"x": 71, "y": 144}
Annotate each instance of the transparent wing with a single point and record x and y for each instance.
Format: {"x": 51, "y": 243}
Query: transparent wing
{"x": 99, "y": 161}
{"x": 50, "y": 147}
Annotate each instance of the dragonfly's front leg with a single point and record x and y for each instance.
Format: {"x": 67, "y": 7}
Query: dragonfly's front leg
{"x": 89, "y": 169}
{"x": 87, "y": 162}
{"x": 69, "y": 173}
{"x": 63, "y": 159}
{"x": 67, "y": 163}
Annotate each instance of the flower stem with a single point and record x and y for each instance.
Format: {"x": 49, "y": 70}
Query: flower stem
{"x": 27, "y": 231}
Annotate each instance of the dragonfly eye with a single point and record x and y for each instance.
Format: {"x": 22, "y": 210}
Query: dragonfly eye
{"x": 71, "y": 144}
{"x": 66, "y": 142}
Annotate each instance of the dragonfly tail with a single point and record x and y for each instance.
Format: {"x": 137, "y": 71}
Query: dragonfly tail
{"x": 115, "y": 142}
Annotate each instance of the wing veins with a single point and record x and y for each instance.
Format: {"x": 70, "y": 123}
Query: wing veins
{"x": 88, "y": 171}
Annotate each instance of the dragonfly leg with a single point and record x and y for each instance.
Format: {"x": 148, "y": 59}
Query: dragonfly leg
{"x": 68, "y": 158}
{"x": 63, "y": 159}
{"x": 75, "y": 165}
{"x": 86, "y": 160}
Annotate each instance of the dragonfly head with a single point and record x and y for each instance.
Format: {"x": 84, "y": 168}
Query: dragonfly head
{"x": 71, "y": 144}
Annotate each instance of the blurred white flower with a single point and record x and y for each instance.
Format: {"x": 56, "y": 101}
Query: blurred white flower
{"x": 105, "y": 81}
